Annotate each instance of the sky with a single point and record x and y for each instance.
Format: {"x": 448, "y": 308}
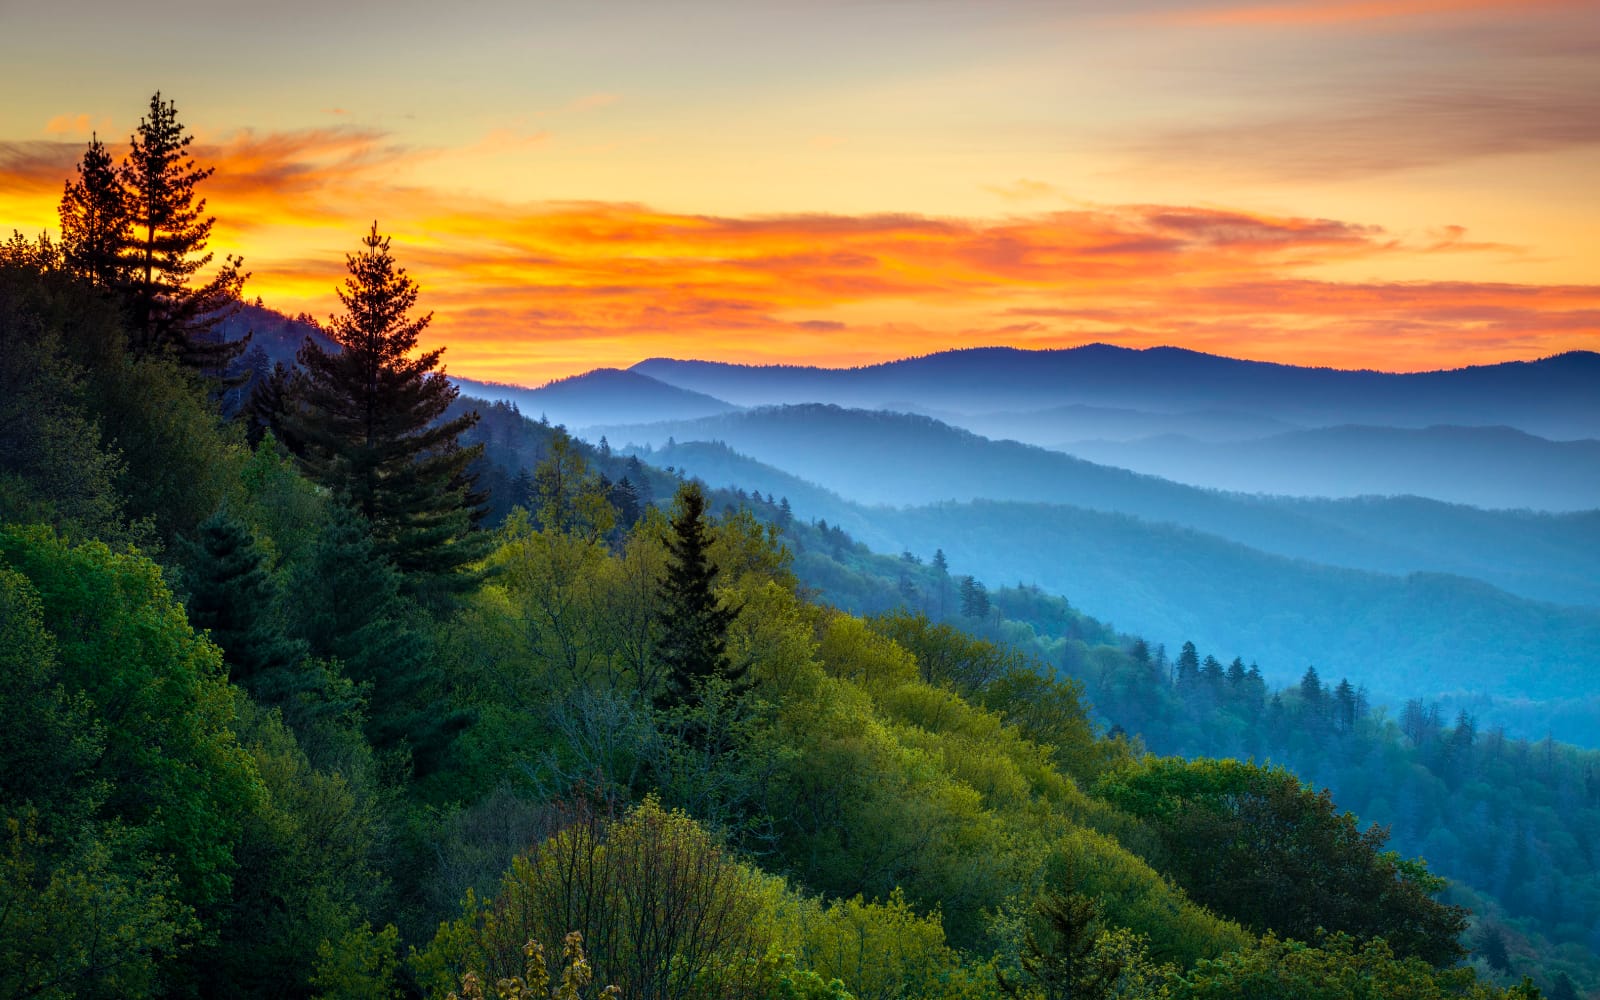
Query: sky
{"x": 1399, "y": 185}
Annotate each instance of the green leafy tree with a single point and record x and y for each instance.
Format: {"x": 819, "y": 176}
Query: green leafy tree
{"x": 1255, "y": 845}
{"x": 369, "y": 424}
{"x": 669, "y": 912}
{"x": 165, "y": 249}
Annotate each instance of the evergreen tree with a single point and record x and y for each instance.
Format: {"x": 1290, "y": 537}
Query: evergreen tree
{"x": 974, "y": 598}
{"x": 1188, "y": 665}
{"x": 232, "y": 596}
{"x": 369, "y": 422}
{"x": 351, "y": 610}
{"x": 693, "y": 646}
{"x": 1062, "y": 964}
{"x": 94, "y": 218}
{"x": 165, "y": 248}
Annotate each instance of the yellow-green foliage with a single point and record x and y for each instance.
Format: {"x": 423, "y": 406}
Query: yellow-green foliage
{"x": 1337, "y": 970}
{"x": 667, "y": 911}
{"x": 885, "y": 951}
{"x": 852, "y": 651}
{"x": 1132, "y": 894}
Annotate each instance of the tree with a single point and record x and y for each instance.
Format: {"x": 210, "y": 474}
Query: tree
{"x": 368, "y": 419}
{"x": 974, "y": 598}
{"x": 165, "y": 248}
{"x": 694, "y": 639}
{"x": 669, "y": 912}
{"x": 232, "y": 596}
{"x": 94, "y": 218}
{"x": 1256, "y": 846}
{"x": 1061, "y": 963}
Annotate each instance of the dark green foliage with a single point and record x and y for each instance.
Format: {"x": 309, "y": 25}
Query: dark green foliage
{"x": 974, "y": 598}
{"x": 694, "y": 623}
{"x": 1561, "y": 988}
{"x": 368, "y": 422}
{"x": 94, "y": 219}
{"x": 1492, "y": 946}
{"x": 350, "y": 609}
{"x": 1058, "y": 952}
{"x": 1253, "y": 844}
{"x": 52, "y": 466}
{"x": 167, "y": 230}
{"x": 232, "y": 596}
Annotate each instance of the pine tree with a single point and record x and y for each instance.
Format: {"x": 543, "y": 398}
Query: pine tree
{"x": 694, "y": 639}
{"x": 369, "y": 421}
{"x": 165, "y": 248}
{"x": 1188, "y": 665}
{"x": 94, "y": 218}
{"x": 232, "y": 596}
{"x": 351, "y": 610}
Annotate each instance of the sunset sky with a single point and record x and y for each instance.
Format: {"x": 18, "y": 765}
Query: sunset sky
{"x": 1399, "y": 185}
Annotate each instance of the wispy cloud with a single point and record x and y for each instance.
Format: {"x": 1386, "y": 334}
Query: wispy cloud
{"x": 1325, "y": 13}
{"x": 1379, "y": 133}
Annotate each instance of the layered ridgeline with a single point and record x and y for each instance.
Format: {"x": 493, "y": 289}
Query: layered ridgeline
{"x": 1554, "y": 397}
{"x": 1483, "y": 466}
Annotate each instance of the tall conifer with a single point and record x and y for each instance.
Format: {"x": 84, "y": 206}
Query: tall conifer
{"x": 165, "y": 248}
{"x": 94, "y": 218}
{"x": 369, "y": 422}
{"x": 694, "y": 640}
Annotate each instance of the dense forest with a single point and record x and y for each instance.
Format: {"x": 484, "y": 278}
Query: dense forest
{"x": 324, "y": 682}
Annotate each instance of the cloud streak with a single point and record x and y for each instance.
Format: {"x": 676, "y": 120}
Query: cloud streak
{"x": 529, "y": 292}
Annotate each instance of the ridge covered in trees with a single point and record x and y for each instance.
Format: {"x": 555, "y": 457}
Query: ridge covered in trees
{"x": 269, "y": 753}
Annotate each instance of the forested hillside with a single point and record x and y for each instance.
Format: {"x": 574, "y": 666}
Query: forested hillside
{"x": 1512, "y": 822}
{"x": 364, "y": 691}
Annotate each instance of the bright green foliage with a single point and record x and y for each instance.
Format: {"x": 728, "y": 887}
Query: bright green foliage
{"x": 1339, "y": 969}
{"x": 1254, "y": 844}
{"x": 568, "y": 496}
{"x": 166, "y": 236}
{"x": 361, "y": 965}
{"x": 82, "y": 908}
{"x": 884, "y": 951}
{"x": 667, "y": 911}
{"x": 1130, "y": 893}
{"x": 171, "y": 764}
{"x": 368, "y": 423}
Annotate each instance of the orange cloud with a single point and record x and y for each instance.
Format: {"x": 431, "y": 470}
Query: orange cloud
{"x": 531, "y": 292}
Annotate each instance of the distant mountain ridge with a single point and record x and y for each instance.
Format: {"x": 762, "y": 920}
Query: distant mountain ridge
{"x": 1555, "y": 397}
{"x": 1492, "y": 467}
{"x": 875, "y": 457}
{"x": 604, "y": 395}
{"x": 1401, "y": 634}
